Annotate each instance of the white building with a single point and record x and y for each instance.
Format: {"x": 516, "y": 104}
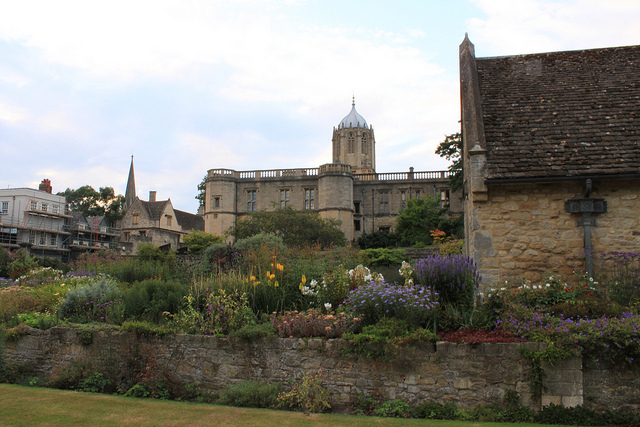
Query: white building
{"x": 35, "y": 220}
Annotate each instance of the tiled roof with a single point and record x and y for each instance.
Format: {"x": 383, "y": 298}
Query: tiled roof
{"x": 562, "y": 114}
{"x": 155, "y": 209}
{"x": 189, "y": 221}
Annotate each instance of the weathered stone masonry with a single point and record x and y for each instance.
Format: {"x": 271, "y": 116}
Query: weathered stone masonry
{"x": 445, "y": 372}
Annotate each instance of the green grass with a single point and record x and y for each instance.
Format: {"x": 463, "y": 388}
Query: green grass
{"x": 22, "y": 406}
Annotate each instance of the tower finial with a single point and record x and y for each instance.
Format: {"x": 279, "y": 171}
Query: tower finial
{"x": 353, "y": 100}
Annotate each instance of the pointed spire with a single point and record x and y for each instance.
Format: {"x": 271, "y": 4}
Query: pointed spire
{"x": 130, "y": 193}
{"x": 353, "y": 100}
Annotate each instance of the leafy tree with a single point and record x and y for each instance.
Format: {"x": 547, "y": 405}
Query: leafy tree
{"x": 96, "y": 203}
{"x": 378, "y": 239}
{"x": 297, "y": 228}
{"x": 198, "y": 240}
{"x": 150, "y": 252}
{"x": 451, "y": 149}
{"x": 202, "y": 191}
{"x": 418, "y": 219}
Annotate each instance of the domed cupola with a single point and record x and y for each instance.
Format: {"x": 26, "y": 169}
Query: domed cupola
{"x": 353, "y": 119}
{"x": 354, "y": 143}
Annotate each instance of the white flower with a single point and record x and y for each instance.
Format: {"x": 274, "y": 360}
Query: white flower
{"x": 327, "y": 305}
{"x": 547, "y": 285}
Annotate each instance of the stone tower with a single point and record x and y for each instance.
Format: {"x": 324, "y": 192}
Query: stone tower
{"x": 354, "y": 143}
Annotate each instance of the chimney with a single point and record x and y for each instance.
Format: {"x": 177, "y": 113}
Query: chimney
{"x": 45, "y": 185}
{"x": 152, "y": 196}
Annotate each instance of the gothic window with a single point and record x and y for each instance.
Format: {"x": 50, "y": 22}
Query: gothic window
{"x": 216, "y": 202}
{"x": 383, "y": 202}
{"x": 309, "y": 199}
{"x": 251, "y": 200}
{"x": 365, "y": 143}
{"x": 284, "y": 198}
{"x": 351, "y": 141}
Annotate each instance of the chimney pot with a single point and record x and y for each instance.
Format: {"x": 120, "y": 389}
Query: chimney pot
{"x": 45, "y": 185}
{"x": 152, "y": 196}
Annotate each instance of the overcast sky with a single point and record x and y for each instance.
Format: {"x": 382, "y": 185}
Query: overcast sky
{"x": 187, "y": 86}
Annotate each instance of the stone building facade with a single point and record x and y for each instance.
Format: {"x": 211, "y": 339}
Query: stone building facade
{"x": 349, "y": 189}
{"x": 551, "y": 158}
{"x": 153, "y": 221}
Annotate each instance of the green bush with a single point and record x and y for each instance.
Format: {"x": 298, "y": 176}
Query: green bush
{"x": 38, "y": 320}
{"x": 151, "y": 299}
{"x": 393, "y": 408}
{"x": 384, "y": 340}
{"x": 255, "y": 332}
{"x": 97, "y": 301}
{"x": 436, "y": 411}
{"x": 272, "y": 241}
{"x": 383, "y": 257}
{"x": 307, "y": 395}
{"x": 145, "y": 328}
{"x": 251, "y": 394}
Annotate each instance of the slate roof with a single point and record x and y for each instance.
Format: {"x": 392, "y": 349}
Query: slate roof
{"x": 189, "y": 221}
{"x": 562, "y": 114}
{"x": 155, "y": 209}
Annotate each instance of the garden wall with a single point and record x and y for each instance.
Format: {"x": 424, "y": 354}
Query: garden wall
{"x": 446, "y": 372}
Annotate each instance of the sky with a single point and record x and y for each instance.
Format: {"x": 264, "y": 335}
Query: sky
{"x": 186, "y": 86}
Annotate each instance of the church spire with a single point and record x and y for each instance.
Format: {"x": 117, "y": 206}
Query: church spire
{"x": 130, "y": 193}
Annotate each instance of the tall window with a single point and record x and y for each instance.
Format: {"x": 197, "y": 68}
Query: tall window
{"x": 417, "y": 193}
{"x": 136, "y": 218}
{"x": 54, "y": 240}
{"x": 251, "y": 201}
{"x": 44, "y": 207}
{"x": 403, "y": 198}
{"x": 383, "y": 199}
{"x": 169, "y": 221}
{"x": 284, "y": 198}
{"x": 365, "y": 144}
{"x": 309, "y": 199}
{"x": 32, "y": 237}
{"x": 4, "y": 209}
{"x": 43, "y": 239}
{"x": 351, "y": 142}
{"x": 216, "y": 202}
{"x": 55, "y": 209}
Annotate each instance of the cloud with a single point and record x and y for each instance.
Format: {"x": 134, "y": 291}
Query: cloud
{"x": 531, "y": 26}
{"x": 12, "y": 114}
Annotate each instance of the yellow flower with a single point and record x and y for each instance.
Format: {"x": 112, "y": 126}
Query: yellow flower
{"x": 276, "y": 284}
{"x": 304, "y": 280}
{"x": 252, "y": 278}
{"x": 273, "y": 276}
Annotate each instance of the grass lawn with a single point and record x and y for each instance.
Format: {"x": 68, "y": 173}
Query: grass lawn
{"x": 42, "y": 406}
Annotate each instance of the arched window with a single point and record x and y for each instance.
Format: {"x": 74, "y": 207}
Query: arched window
{"x": 351, "y": 142}
{"x": 365, "y": 143}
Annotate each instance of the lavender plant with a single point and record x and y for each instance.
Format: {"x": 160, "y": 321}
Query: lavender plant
{"x": 454, "y": 277}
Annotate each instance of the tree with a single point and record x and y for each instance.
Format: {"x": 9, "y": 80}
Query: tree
{"x": 90, "y": 202}
{"x": 297, "y": 228}
{"x": 198, "y": 240}
{"x": 418, "y": 219}
{"x": 451, "y": 149}
{"x": 202, "y": 191}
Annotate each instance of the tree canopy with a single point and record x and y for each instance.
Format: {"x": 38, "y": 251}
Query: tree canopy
{"x": 197, "y": 240}
{"x": 297, "y": 228}
{"x": 418, "y": 219}
{"x": 451, "y": 149}
{"x": 90, "y": 202}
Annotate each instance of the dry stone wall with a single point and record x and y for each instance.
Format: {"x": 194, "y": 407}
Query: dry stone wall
{"x": 445, "y": 372}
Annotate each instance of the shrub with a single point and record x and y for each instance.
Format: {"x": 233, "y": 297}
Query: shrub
{"x": 220, "y": 258}
{"x": 255, "y": 332}
{"x": 378, "y": 239}
{"x": 313, "y": 324}
{"x": 21, "y": 263}
{"x": 144, "y": 328}
{"x": 150, "y": 299}
{"x": 383, "y": 340}
{"x": 437, "y": 411}
{"x": 619, "y": 274}
{"x": 393, "y": 408}
{"x": 307, "y": 395}
{"x": 257, "y": 241}
{"x": 454, "y": 277}
{"x": 251, "y": 394}
{"x": 38, "y": 320}
{"x": 97, "y": 301}
{"x": 383, "y": 257}
{"x": 220, "y": 314}
{"x": 477, "y": 336}
{"x": 414, "y": 304}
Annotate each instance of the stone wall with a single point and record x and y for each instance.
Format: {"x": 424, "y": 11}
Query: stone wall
{"x": 522, "y": 230}
{"x": 446, "y": 372}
